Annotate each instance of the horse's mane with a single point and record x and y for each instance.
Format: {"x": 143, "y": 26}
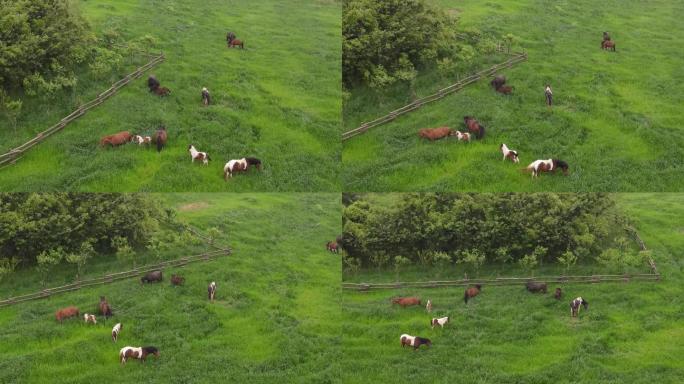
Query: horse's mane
{"x": 149, "y": 350}
{"x": 560, "y": 163}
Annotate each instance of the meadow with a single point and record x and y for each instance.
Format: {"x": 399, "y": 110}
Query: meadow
{"x": 631, "y": 332}
{"x": 278, "y": 100}
{"x": 274, "y": 319}
{"x": 616, "y": 120}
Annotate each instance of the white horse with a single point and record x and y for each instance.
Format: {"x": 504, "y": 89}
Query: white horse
{"x": 439, "y": 321}
{"x": 115, "y": 331}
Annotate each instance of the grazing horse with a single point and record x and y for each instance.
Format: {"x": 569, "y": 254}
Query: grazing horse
{"x": 152, "y": 277}
{"x": 509, "y": 153}
{"x": 152, "y": 83}
{"x": 474, "y": 126}
{"x": 558, "y": 294}
{"x": 177, "y": 280}
{"x": 197, "y": 155}
{"x": 160, "y": 138}
{"x": 535, "y": 287}
{"x": 462, "y": 136}
{"x": 406, "y": 301}
{"x": 162, "y": 91}
{"x": 550, "y": 165}
{"x": 609, "y": 45}
{"x": 332, "y": 247}
{"x": 140, "y": 353}
{"x": 428, "y": 306}
{"x": 471, "y": 292}
{"x": 105, "y": 309}
{"x": 439, "y": 321}
{"x": 236, "y": 43}
{"x": 241, "y": 165}
{"x": 575, "y": 306}
{"x": 66, "y": 313}
{"x": 498, "y": 81}
{"x": 116, "y": 139}
{"x": 414, "y": 341}
{"x": 230, "y": 36}
{"x": 505, "y": 89}
{"x": 87, "y": 318}
{"x": 206, "y": 97}
{"x": 435, "y": 133}
{"x": 212, "y": 290}
{"x": 115, "y": 331}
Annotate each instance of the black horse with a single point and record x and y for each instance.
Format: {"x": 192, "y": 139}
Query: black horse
{"x": 535, "y": 287}
{"x": 498, "y": 81}
{"x": 152, "y": 83}
{"x": 152, "y": 277}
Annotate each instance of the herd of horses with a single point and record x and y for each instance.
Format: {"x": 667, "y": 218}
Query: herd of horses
{"x": 105, "y": 310}
{"x": 159, "y": 138}
{"x": 468, "y": 294}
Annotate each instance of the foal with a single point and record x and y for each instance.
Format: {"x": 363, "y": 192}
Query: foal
{"x": 462, "y": 136}
{"x": 575, "y": 306}
{"x": 196, "y": 155}
{"x": 509, "y": 153}
{"x": 89, "y": 318}
{"x": 441, "y": 321}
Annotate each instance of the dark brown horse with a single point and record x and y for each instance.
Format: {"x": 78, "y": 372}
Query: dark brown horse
{"x": 608, "y": 45}
{"x": 332, "y": 247}
{"x": 435, "y": 133}
{"x": 498, "y": 81}
{"x": 116, "y": 139}
{"x": 152, "y": 277}
{"x": 160, "y": 138}
{"x": 66, "y": 313}
{"x": 105, "y": 309}
{"x": 535, "y": 287}
{"x": 406, "y": 301}
{"x": 505, "y": 89}
{"x": 471, "y": 292}
{"x": 236, "y": 43}
{"x": 152, "y": 83}
{"x": 162, "y": 91}
{"x": 558, "y": 294}
{"x": 177, "y": 280}
{"x": 474, "y": 126}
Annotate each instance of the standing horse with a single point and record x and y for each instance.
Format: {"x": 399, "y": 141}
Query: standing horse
{"x": 87, "y": 318}
{"x": 115, "y": 331}
{"x": 435, "y": 133}
{"x": 535, "y": 287}
{"x": 439, "y": 321}
{"x": 152, "y": 83}
{"x": 206, "y": 98}
{"x": 462, "y": 136}
{"x": 414, "y": 341}
{"x": 509, "y": 153}
{"x": 471, "y": 292}
{"x": 558, "y": 294}
{"x": 406, "y": 301}
{"x": 575, "y": 306}
{"x": 197, "y": 155}
{"x": 474, "y": 126}
{"x": 160, "y": 138}
{"x": 609, "y": 45}
{"x": 105, "y": 309}
{"x": 498, "y": 81}
{"x": 212, "y": 290}
{"x": 116, "y": 139}
{"x": 428, "y": 306}
{"x": 332, "y": 247}
{"x": 152, "y": 277}
{"x": 550, "y": 165}
{"x": 140, "y": 353}
{"x": 177, "y": 280}
{"x": 236, "y": 43}
{"x": 241, "y": 165}
{"x": 66, "y": 313}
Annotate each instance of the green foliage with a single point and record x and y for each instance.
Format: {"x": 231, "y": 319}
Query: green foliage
{"x": 401, "y": 262}
{"x": 7, "y": 266}
{"x": 213, "y": 233}
{"x": 81, "y": 258}
{"x": 124, "y": 252}
{"x": 567, "y": 259}
{"x": 48, "y": 260}
{"x": 473, "y": 257}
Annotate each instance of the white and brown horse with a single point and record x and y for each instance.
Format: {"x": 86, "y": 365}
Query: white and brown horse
{"x": 88, "y": 318}
{"x": 462, "y": 136}
{"x": 550, "y": 165}
{"x": 140, "y": 353}
{"x": 211, "y": 290}
{"x": 241, "y": 165}
{"x": 509, "y": 153}
{"x": 197, "y": 155}
{"x": 115, "y": 331}
{"x": 439, "y": 321}
{"x": 575, "y": 306}
{"x": 414, "y": 341}
{"x": 206, "y": 97}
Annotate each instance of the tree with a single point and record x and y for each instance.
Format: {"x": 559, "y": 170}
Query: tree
{"x": 567, "y": 259}
{"x": 400, "y": 262}
{"x": 47, "y": 260}
{"x": 124, "y": 252}
{"x": 81, "y": 257}
{"x": 7, "y": 266}
{"x": 472, "y": 257}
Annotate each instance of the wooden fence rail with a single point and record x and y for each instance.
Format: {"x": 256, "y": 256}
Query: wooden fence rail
{"x": 15, "y": 154}
{"x": 111, "y": 277}
{"x": 517, "y": 58}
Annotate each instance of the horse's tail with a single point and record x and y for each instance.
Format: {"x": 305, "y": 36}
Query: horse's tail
{"x": 481, "y": 132}
{"x": 465, "y": 296}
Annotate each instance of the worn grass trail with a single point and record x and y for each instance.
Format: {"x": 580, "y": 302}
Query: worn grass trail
{"x": 632, "y": 333}
{"x": 616, "y": 118}
{"x": 275, "y": 318}
{"x": 278, "y": 100}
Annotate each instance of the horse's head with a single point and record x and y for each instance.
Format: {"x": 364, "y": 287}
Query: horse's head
{"x": 478, "y": 286}
{"x": 585, "y": 304}
{"x": 562, "y": 165}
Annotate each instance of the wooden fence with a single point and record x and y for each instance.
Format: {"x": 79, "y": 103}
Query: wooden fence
{"x": 15, "y": 154}
{"x": 109, "y": 278}
{"x": 516, "y": 58}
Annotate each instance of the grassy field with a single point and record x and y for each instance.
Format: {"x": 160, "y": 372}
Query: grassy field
{"x": 617, "y": 117}
{"x": 278, "y": 100}
{"x": 631, "y": 333}
{"x": 274, "y": 319}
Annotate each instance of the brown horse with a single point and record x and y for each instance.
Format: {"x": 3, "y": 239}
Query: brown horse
{"x": 558, "y": 294}
{"x": 160, "y": 138}
{"x": 498, "y": 81}
{"x": 116, "y": 139}
{"x": 535, "y": 287}
{"x": 236, "y": 43}
{"x": 505, "y": 89}
{"x": 406, "y": 301}
{"x": 140, "y": 353}
{"x": 608, "y": 45}
{"x": 332, "y": 247}
{"x": 66, "y": 313}
{"x": 152, "y": 277}
{"x": 474, "y": 126}
{"x": 435, "y": 133}
{"x": 177, "y": 280}
{"x": 105, "y": 309}
{"x": 472, "y": 292}
{"x": 162, "y": 91}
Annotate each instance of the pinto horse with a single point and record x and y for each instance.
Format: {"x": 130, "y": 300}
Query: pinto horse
{"x": 435, "y": 133}
{"x": 115, "y": 331}
{"x": 140, "y": 353}
{"x": 332, "y": 247}
{"x": 608, "y": 45}
{"x": 474, "y": 126}
{"x": 230, "y": 36}
{"x": 462, "y": 136}
{"x": 116, "y": 139}
{"x": 197, "y": 155}
{"x": 414, "y": 341}
{"x": 535, "y": 287}
{"x": 575, "y": 306}
{"x": 88, "y": 318}
{"x": 236, "y": 43}
{"x": 439, "y": 321}
{"x": 406, "y": 301}
{"x": 550, "y": 165}
{"x": 509, "y": 153}
{"x": 471, "y": 292}
{"x": 160, "y": 138}
{"x": 241, "y": 165}
{"x": 105, "y": 309}
{"x": 211, "y": 290}
{"x": 66, "y": 313}
{"x": 206, "y": 97}
{"x": 428, "y": 306}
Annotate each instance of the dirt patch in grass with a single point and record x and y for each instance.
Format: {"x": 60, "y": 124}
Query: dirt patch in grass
{"x": 193, "y": 206}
